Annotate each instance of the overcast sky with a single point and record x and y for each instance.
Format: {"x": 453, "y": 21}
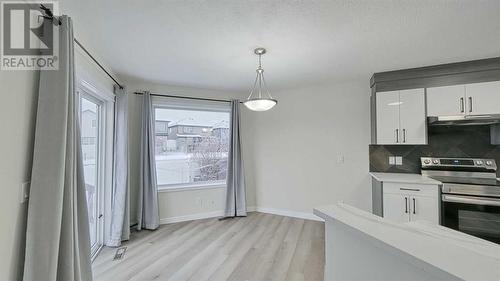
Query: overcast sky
{"x": 190, "y": 117}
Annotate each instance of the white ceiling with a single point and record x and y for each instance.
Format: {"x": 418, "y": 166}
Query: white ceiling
{"x": 209, "y": 43}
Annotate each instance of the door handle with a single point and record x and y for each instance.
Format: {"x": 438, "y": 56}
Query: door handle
{"x": 404, "y": 135}
{"x": 462, "y": 107}
{"x": 406, "y": 205}
{"x": 483, "y": 201}
{"x": 414, "y": 206}
{"x": 470, "y": 104}
{"x": 397, "y": 135}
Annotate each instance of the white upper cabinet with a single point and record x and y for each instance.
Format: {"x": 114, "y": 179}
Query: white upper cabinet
{"x": 412, "y": 117}
{"x": 446, "y": 101}
{"x": 401, "y": 117}
{"x": 483, "y": 98}
{"x": 387, "y": 117}
{"x": 469, "y": 99}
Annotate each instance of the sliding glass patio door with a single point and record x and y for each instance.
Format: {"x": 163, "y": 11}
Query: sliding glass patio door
{"x": 91, "y": 126}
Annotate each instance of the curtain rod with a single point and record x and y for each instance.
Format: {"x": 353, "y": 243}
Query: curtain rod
{"x": 50, "y": 16}
{"x": 184, "y": 97}
{"x": 97, "y": 62}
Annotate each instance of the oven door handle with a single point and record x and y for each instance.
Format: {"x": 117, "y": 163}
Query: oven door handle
{"x": 468, "y": 200}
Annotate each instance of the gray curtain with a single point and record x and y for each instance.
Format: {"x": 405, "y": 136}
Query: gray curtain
{"x": 120, "y": 216}
{"x": 147, "y": 209}
{"x": 235, "y": 193}
{"x": 57, "y": 238}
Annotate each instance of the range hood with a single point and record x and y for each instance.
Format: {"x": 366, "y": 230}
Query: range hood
{"x": 464, "y": 120}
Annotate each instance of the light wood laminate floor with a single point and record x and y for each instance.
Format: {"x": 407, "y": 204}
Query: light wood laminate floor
{"x": 258, "y": 247}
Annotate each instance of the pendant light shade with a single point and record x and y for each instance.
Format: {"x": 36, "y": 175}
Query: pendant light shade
{"x": 260, "y": 104}
{"x": 262, "y": 100}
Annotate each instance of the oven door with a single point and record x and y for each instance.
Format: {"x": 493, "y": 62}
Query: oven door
{"x": 474, "y": 215}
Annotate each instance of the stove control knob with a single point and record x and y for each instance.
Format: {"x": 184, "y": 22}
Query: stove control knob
{"x": 480, "y": 162}
{"x": 435, "y": 161}
{"x": 427, "y": 161}
{"x": 489, "y": 163}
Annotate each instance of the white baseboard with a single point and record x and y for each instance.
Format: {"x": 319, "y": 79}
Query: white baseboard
{"x": 192, "y": 217}
{"x": 288, "y": 213}
{"x": 220, "y": 213}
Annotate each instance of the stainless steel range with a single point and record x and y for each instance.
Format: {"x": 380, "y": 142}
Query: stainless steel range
{"x": 470, "y": 194}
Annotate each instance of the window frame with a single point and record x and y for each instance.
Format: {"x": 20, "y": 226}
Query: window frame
{"x": 198, "y": 105}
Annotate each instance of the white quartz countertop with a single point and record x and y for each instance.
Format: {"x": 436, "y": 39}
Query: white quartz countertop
{"x": 404, "y": 178}
{"x": 456, "y": 253}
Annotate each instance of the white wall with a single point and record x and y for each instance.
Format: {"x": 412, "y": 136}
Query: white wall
{"x": 19, "y": 91}
{"x": 291, "y": 152}
{"x": 178, "y": 205}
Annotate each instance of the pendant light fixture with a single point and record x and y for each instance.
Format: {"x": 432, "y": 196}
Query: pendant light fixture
{"x": 262, "y": 100}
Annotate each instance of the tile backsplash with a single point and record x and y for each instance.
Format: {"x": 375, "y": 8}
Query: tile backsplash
{"x": 444, "y": 141}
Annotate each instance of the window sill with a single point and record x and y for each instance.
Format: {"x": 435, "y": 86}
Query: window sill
{"x": 190, "y": 187}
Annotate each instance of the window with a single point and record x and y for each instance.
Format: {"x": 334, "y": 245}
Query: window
{"x": 91, "y": 111}
{"x": 196, "y": 158}
{"x": 88, "y": 140}
{"x": 96, "y": 113}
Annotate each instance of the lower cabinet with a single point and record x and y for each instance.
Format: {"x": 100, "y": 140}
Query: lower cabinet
{"x": 404, "y": 203}
{"x": 424, "y": 208}
{"x": 396, "y": 207}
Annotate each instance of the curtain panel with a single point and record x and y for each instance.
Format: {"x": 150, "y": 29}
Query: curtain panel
{"x": 236, "y": 190}
{"x": 147, "y": 209}
{"x": 57, "y": 237}
{"x": 120, "y": 205}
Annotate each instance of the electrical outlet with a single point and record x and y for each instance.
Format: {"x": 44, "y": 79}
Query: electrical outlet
{"x": 24, "y": 193}
{"x": 399, "y": 160}
{"x": 340, "y": 159}
{"x": 392, "y": 160}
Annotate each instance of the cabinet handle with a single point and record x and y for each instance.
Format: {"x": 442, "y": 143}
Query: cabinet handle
{"x": 470, "y": 104}
{"x": 410, "y": 189}
{"x": 414, "y": 206}
{"x": 397, "y": 135}
{"x": 406, "y": 205}
{"x": 404, "y": 135}
{"x": 462, "y": 107}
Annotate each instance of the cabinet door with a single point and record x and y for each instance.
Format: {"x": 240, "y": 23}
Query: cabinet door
{"x": 424, "y": 208}
{"x": 413, "y": 124}
{"x": 483, "y": 98}
{"x": 446, "y": 101}
{"x": 396, "y": 207}
{"x": 387, "y": 117}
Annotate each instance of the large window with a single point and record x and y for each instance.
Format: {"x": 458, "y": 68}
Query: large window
{"x": 193, "y": 150}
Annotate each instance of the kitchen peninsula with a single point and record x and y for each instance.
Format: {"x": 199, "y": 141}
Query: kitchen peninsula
{"x": 363, "y": 246}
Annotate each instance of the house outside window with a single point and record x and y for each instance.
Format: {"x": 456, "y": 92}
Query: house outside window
{"x": 191, "y": 150}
